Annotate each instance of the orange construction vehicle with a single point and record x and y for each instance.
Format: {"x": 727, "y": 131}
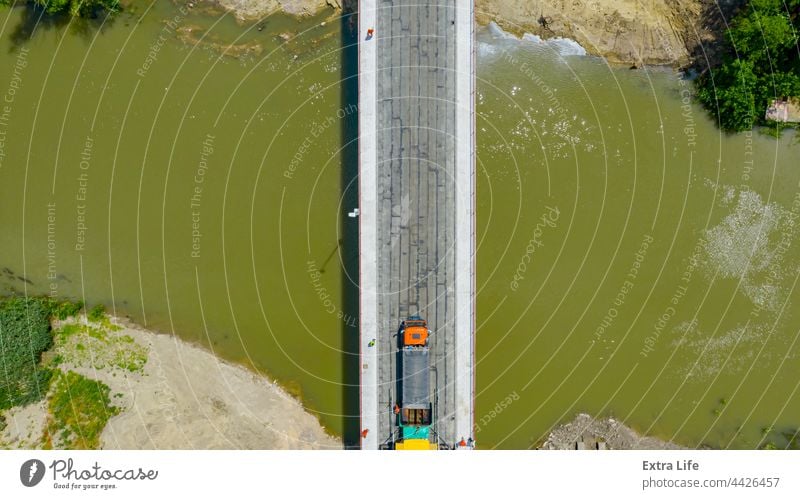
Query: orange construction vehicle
{"x": 415, "y": 332}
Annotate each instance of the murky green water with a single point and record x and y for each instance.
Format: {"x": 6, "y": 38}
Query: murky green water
{"x": 195, "y": 192}
{"x": 662, "y": 290}
{"x": 206, "y": 195}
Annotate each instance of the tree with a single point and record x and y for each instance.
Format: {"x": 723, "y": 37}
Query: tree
{"x": 761, "y": 63}
{"x": 763, "y": 33}
{"x": 75, "y": 8}
{"x": 730, "y": 92}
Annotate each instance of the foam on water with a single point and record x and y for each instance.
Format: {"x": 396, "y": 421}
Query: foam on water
{"x": 564, "y": 47}
{"x": 717, "y": 354}
{"x": 746, "y": 245}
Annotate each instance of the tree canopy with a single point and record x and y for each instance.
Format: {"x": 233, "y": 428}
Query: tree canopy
{"x": 78, "y": 8}
{"x": 761, "y": 63}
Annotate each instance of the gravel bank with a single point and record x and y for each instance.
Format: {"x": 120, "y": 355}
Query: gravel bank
{"x": 586, "y": 432}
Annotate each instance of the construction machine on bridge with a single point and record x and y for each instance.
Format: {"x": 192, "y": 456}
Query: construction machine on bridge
{"x": 414, "y": 410}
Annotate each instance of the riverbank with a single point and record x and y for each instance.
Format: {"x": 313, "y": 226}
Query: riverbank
{"x": 166, "y": 393}
{"x": 622, "y": 31}
{"x": 586, "y": 432}
{"x": 631, "y": 32}
{"x": 250, "y": 10}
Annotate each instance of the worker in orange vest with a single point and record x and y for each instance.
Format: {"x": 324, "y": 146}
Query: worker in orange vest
{"x": 364, "y": 433}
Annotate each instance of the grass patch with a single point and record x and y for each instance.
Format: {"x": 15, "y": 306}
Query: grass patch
{"x": 94, "y": 345}
{"x": 68, "y": 330}
{"x": 79, "y": 408}
{"x": 65, "y": 309}
{"x": 97, "y": 313}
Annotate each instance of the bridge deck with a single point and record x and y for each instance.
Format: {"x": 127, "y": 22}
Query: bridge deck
{"x": 421, "y": 203}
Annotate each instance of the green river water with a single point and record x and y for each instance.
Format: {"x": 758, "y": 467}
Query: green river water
{"x": 633, "y": 261}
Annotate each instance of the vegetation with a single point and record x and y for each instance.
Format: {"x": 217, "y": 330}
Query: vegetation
{"x": 788, "y": 439}
{"x": 761, "y": 63}
{"x": 24, "y": 335}
{"x": 87, "y": 345}
{"x": 65, "y": 309}
{"x": 97, "y": 313}
{"x": 79, "y": 409}
{"x": 74, "y": 8}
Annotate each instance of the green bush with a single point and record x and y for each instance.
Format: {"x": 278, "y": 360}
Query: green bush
{"x": 24, "y": 335}
{"x": 65, "y": 309}
{"x": 97, "y": 313}
{"x": 760, "y": 64}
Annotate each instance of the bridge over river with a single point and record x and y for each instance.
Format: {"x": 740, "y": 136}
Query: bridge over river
{"x": 417, "y": 206}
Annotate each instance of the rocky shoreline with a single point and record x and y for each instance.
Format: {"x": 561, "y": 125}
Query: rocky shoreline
{"x": 588, "y": 433}
{"x": 631, "y": 32}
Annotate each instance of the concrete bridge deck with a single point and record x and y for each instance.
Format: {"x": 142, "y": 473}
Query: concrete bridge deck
{"x": 416, "y": 203}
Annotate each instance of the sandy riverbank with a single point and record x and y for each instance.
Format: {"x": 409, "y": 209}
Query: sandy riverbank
{"x": 189, "y": 399}
{"x": 181, "y": 397}
{"x": 622, "y": 31}
{"x": 248, "y": 10}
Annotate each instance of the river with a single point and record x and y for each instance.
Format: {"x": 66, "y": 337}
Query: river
{"x": 195, "y": 174}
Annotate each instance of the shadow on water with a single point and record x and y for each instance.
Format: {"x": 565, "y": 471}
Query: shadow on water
{"x": 34, "y": 18}
{"x": 349, "y": 242}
